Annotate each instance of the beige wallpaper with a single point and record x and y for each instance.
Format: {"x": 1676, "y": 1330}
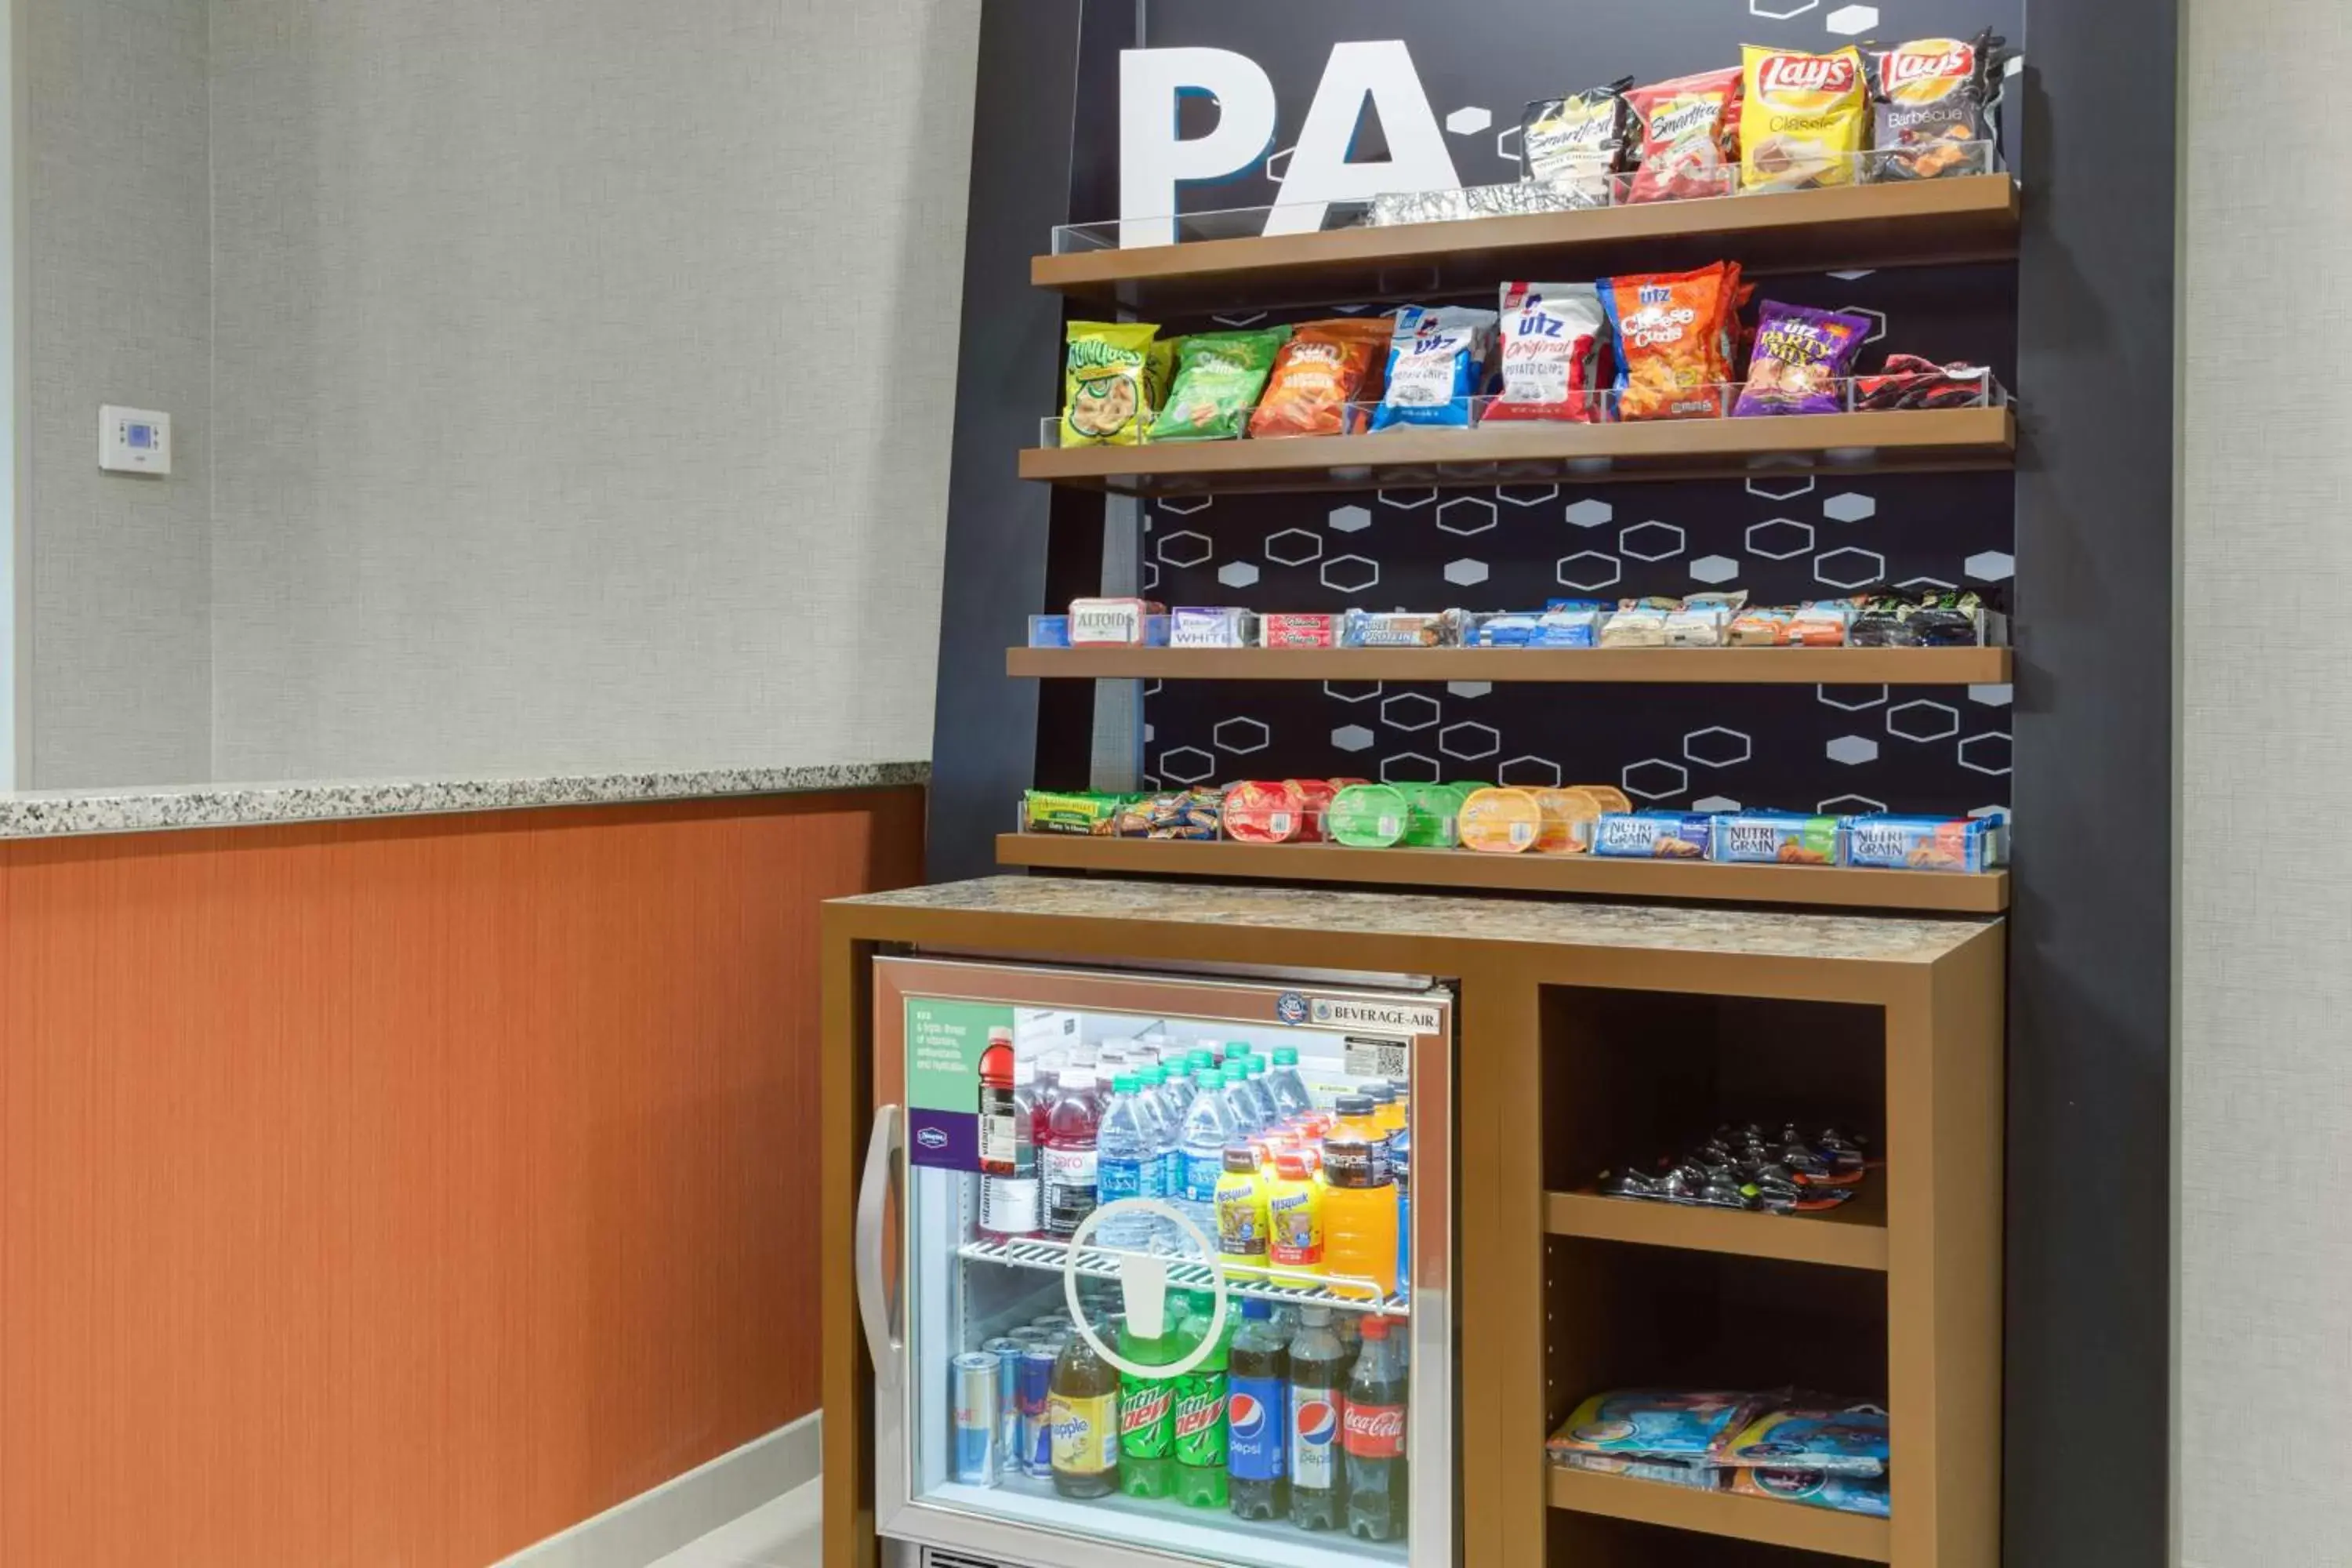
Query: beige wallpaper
{"x": 583, "y": 377}
{"x": 2265, "y": 1071}
{"x": 118, "y": 275}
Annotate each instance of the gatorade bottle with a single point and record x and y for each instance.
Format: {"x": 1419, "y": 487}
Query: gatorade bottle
{"x": 1388, "y": 1116}
{"x": 1290, "y": 1091}
{"x": 1257, "y": 1417}
{"x": 1360, "y": 1216}
{"x": 1082, "y": 1408}
{"x": 1318, "y": 1401}
{"x": 1207, "y": 1131}
{"x": 1242, "y": 1214}
{"x": 1400, "y": 1167}
{"x": 1147, "y": 1418}
{"x": 1201, "y": 1409}
{"x": 1373, "y": 1436}
{"x": 1354, "y": 1119}
{"x": 1068, "y": 1161}
{"x": 1294, "y": 1219}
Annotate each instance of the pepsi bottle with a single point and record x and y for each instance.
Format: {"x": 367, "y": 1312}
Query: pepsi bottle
{"x": 1318, "y": 1401}
{"x": 1257, "y": 1424}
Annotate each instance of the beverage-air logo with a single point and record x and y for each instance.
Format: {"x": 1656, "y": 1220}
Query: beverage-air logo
{"x": 1363, "y": 1013}
{"x": 1805, "y": 74}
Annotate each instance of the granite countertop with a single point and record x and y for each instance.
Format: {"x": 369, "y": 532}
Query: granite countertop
{"x": 52, "y": 814}
{"x": 1872, "y": 938}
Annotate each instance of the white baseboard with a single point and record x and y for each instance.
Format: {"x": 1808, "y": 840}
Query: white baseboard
{"x": 652, "y": 1524}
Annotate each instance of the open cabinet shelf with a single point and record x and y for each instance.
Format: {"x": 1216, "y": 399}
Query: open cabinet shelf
{"x": 1611, "y": 665}
{"x": 1742, "y": 1517}
{"x": 1852, "y": 1236}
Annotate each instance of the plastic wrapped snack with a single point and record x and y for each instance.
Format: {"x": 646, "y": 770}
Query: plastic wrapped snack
{"x": 1320, "y": 372}
{"x": 1312, "y": 630}
{"x": 1847, "y": 1494}
{"x": 1802, "y": 118}
{"x": 1638, "y": 623}
{"x": 1810, "y": 1433}
{"x": 1697, "y": 1475}
{"x": 1501, "y": 821}
{"x": 1775, "y": 839}
{"x": 1368, "y": 816}
{"x": 1262, "y": 812}
{"x": 1111, "y": 380}
{"x": 1399, "y": 628}
{"x": 1218, "y": 378}
{"x": 1437, "y": 361}
{"x": 1569, "y": 818}
{"x": 1932, "y": 106}
{"x": 1907, "y": 381}
{"x": 1555, "y": 338}
{"x": 1654, "y": 1424}
{"x": 1924, "y": 843}
{"x": 1202, "y": 626}
{"x": 1802, "y": 356}
{"x": 1315, "y": 797}
{"x": 1581, "y": 140}
{"x": 1071, "y": 811}
{"x": 1703, "y": 620}
{"x": 1761, "y": 627}
{"x": 1481, "y": 200}
{"x": 1689, "y": 137}
{"x": 1431, "y": 814}
{"x": 1121, "y": 623}
{"x": 1822, "y": 623}
{"x": 1932, "y": 619}
{"x": 1196, "y": 814}
{"x": 1653, "y": 836}
{"x": 1672, "y": 334}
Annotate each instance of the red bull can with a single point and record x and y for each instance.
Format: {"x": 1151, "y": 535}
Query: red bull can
{"x": 1037, "y": 1398}
{"x": 979, "y": 1434}
{"x": 1007, "y": 1352}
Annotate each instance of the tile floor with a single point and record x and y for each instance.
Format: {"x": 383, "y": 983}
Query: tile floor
{"x": 780, "y": 1534}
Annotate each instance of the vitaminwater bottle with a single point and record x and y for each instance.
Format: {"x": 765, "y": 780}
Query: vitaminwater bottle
{"x": 1289, "y": 1090}
{"x": 1069, "y": 1160}
{"x": 1242, "y": 1214}
{"x": 1201, "y": 1407}
{"x": 1257, "y": 1417}
{"x": 1294, "y": 1220}
{"x": 1147, "y": 1417}
{"x": 1318, "y": 1401}
{"x": 1207, "y": 1131}
{"x": 1360, "y": 1216}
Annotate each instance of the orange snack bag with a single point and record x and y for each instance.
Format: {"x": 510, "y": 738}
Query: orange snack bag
{"x": 1501, "y": 821}
{"x": 1568, "y": 819}
{"x": 1674, "y": 332}
{"x": 1320, "y": 373}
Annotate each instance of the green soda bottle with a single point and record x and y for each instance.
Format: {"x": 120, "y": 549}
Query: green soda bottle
{"x": 1200, "y": 1404}
{"x": 1147, "y": 1417}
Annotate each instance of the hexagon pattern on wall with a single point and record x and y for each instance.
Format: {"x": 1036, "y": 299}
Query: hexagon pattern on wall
{"x": 1350, "y": 519}
{"x": 1411, "y": 711}
{"x": 1297, "y": 547}
{"x": 1852, "y": 750}
{"x": 1466, "y": 573}
{"x": 1241, "y": 737}
{"x": 1590, "y": 513}
{"x": 1237, "y": 574}
{"x": 1654, "y": 778}
{"x": 1353, "y": 738}
{"x": 1469, "y": 122}
{"x": 1714, "y": 569}
{"x": 1539, "y": 772}
{"x": 1589, "y": 570}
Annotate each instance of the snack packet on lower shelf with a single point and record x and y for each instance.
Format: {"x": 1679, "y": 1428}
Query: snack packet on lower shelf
{"x": 1656, "y": 1424}
{"x": 1774, "y": 838}
{"x": 1926, "y": 843}
{"x": 1694, "y": 1475}
{"x": 1072, "y": 811}
{"x": 1846, "y": 1494}
{"x": 1194, "y": 814}
{"x": 1653, "y": 836}
{"x": 1809, "y": 1433}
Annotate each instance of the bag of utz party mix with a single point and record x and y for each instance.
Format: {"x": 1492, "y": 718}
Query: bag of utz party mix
{"x": 1801, "y": 358}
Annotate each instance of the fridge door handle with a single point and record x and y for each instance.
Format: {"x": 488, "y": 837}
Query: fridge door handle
{"x": 875, "y": 1307}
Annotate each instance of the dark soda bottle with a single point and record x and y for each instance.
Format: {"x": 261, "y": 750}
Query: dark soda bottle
{"x": 1257, "y": 1417}
{"x": 1373, "y": 1436}
{"x": 1319, "y": 1401}
{"x": 1084, "y": 1410}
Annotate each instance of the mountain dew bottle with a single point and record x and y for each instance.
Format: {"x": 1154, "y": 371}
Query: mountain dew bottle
{"x": 1201, "y": 1406}
{"x": 1147, "y": 1421}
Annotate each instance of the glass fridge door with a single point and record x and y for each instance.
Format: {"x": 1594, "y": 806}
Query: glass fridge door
{"x": 1153, "y": 1322}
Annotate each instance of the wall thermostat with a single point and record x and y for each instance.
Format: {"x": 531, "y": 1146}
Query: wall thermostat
{"x": 134, "y": 441}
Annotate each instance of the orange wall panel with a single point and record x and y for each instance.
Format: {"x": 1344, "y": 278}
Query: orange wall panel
{"x": 402, "y": 1192}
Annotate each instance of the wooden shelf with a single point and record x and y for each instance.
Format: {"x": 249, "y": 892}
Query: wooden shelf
{"x": 1724, "y": 1513}
{"x": 1913, "y": 440}
{"x": 1931, "y": 891}
{"x": 1618, "y": 666}
{"x": 1853, "y": 1236}
{"x": 1961, "y": 219}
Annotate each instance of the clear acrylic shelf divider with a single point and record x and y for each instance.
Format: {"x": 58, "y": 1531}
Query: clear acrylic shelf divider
{"x": 1876, "y": 393}
{"x": 1190, "y": 1274}
{"x": 1572, "y": 192}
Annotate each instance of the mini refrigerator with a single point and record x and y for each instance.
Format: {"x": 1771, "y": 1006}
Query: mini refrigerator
{"x": 1201, "y": 1337}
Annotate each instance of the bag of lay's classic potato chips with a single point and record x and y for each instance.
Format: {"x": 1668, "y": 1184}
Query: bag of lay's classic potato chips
{"x": 1802, "y": 117}
{"x": 1112, "y": 377}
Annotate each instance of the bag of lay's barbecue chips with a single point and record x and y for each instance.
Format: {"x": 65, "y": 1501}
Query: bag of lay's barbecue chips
{"x": 1932, "y": 103}
{"x": 1802, "y": 117}
{"x": 1112, "y": 378}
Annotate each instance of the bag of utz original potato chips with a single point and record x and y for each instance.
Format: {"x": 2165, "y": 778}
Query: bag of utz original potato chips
{"x": 1111, "y": 378}
{"x": 1218, "y": 378}
{"x": 1554, "y": 335}
{"x": 1801, "y": 119}
{"x": 1321, "y": 371}
{"x": 1932, "y": 106}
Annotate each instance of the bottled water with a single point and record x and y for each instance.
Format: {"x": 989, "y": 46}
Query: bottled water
{"x": 1128, "y": 1166}
{"x": 1261, "y": 1093}
{"x": 1167, "y": 1138}
{"x": 1176, "y": 1098}
{"x": 1241, "y": 1106}
{"x": 1207, "y": 1130}
{"x": 1290, "y": 1091}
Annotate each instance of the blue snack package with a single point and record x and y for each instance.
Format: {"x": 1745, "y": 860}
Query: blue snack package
{"x": 1654, "y": 1423}
{"x": 1437, "y": 361}
{"x": 1816, "y": 1437}
{"x": 1776, "y": 839}
{"x": 1924, "y": 843}
{"x": 1049, "y": 631}
{"x": 1653, "y": 836}
{"x": 1846, "y": 1494}
{"x": 1697, "y": 1475}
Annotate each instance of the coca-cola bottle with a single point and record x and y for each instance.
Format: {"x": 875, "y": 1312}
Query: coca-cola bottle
{"x": 1373, "y": 1433}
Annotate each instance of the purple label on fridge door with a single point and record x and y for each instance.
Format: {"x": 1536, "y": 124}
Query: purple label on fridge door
{"x": 943, "y": 1139}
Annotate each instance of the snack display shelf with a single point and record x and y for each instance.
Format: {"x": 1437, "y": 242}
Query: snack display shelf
{"x": 1963, "y": 218}
{"x": 1766, "y": 1519}
{"x": 1624, "y": 666}
{"x": 1098, "y": 1263}
{"x": 1853, "y": 1235}
{"x": 1707, "y": 881}
{"x": 1915, "y": 441}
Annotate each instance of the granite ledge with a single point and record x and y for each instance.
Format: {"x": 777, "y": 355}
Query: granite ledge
{"x": 59, "y": 814}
